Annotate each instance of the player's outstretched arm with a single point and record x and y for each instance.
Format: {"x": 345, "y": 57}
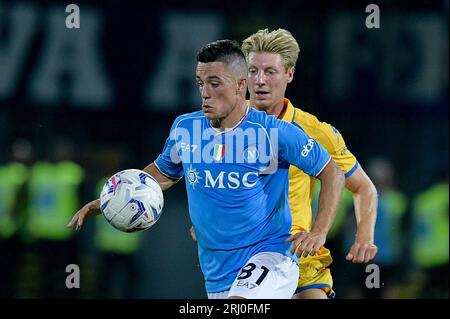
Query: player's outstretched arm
{"x": 366, "y": 201}
{"x": 93, "y": 208}
{"x": 332, "y": 184}
{"x": 90, "y": 209}
{"x": 163, "y": 181}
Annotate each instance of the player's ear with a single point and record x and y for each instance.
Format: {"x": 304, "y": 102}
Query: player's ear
{"x": 290, "y": 74}
{"x": 241, "y": 86}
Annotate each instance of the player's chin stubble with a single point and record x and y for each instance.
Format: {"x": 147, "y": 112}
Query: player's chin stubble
{"x": 215, "y": 122}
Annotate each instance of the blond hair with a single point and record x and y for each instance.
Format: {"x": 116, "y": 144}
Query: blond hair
{"x": 278, "y": 41}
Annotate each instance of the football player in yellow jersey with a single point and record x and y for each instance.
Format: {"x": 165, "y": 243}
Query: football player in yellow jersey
{"x": 271, "y": 58}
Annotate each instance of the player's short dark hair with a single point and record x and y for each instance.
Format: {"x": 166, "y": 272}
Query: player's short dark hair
{"x": 226, "y": 51}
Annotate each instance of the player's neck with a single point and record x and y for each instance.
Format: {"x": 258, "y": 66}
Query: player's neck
{"x": 278, "y": 109}
{"x": 232, "y": 119}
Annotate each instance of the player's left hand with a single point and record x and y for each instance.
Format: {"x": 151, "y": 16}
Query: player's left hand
{"x": 306, "y": 243}
{"x": 362, "y": 252}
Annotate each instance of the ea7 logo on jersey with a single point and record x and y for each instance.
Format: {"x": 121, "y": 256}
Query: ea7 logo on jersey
{"x": 186, "y": 147}
{"x": 308, "y": 147}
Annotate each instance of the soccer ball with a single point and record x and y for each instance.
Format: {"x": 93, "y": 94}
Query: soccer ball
{"x": 131, "y": 200}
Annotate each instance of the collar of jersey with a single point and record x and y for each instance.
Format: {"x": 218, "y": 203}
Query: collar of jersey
{"x": 289, "y": 114}
{"x": 290, "y": 111}
{"x": 235, "y": 126}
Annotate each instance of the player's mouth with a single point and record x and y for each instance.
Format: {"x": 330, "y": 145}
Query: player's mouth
{"x": 261, "y": 95}
{"x": 207, "y": 108}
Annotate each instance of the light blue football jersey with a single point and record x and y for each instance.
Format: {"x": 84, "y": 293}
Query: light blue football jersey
{"x": 237, "y": 183}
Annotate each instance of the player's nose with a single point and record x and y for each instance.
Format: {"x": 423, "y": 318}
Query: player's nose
{"x": 204, "y": 93}
{"x": 260, "y": 79}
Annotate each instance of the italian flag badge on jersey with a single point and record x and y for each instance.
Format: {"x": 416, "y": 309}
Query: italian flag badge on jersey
{"x": 219, "y": 152}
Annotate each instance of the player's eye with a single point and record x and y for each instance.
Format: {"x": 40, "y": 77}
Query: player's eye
{"x": 215, "y": 85}
{"x": 199, "y": 84}
{"x": 252, "y": 71}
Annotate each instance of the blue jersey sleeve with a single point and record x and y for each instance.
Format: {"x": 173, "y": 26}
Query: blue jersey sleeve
{"x": 299, "y": 149}
{"x": 169, "y": 162}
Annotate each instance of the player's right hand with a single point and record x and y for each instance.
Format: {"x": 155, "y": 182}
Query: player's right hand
{"x": 306, "y": 243}
{"x": 90, "y": 209}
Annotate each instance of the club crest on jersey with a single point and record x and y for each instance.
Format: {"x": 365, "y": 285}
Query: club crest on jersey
{"x": 219, "y": 152}
{"x": 250, "y": 154}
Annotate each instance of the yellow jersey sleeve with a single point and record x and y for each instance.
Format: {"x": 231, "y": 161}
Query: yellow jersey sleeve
{"x": 329, "y": 137}
{"x": 301, "y": 185}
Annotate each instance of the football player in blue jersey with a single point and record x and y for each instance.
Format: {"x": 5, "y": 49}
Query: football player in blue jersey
{"x": 235, "y": 161}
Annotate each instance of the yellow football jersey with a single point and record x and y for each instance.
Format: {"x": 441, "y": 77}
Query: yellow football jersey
{"x": 313, "y": 269}
{"x": 301, "y": 185}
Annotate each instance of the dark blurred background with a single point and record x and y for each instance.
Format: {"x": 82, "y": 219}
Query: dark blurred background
{"x": 77, "y": 105}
